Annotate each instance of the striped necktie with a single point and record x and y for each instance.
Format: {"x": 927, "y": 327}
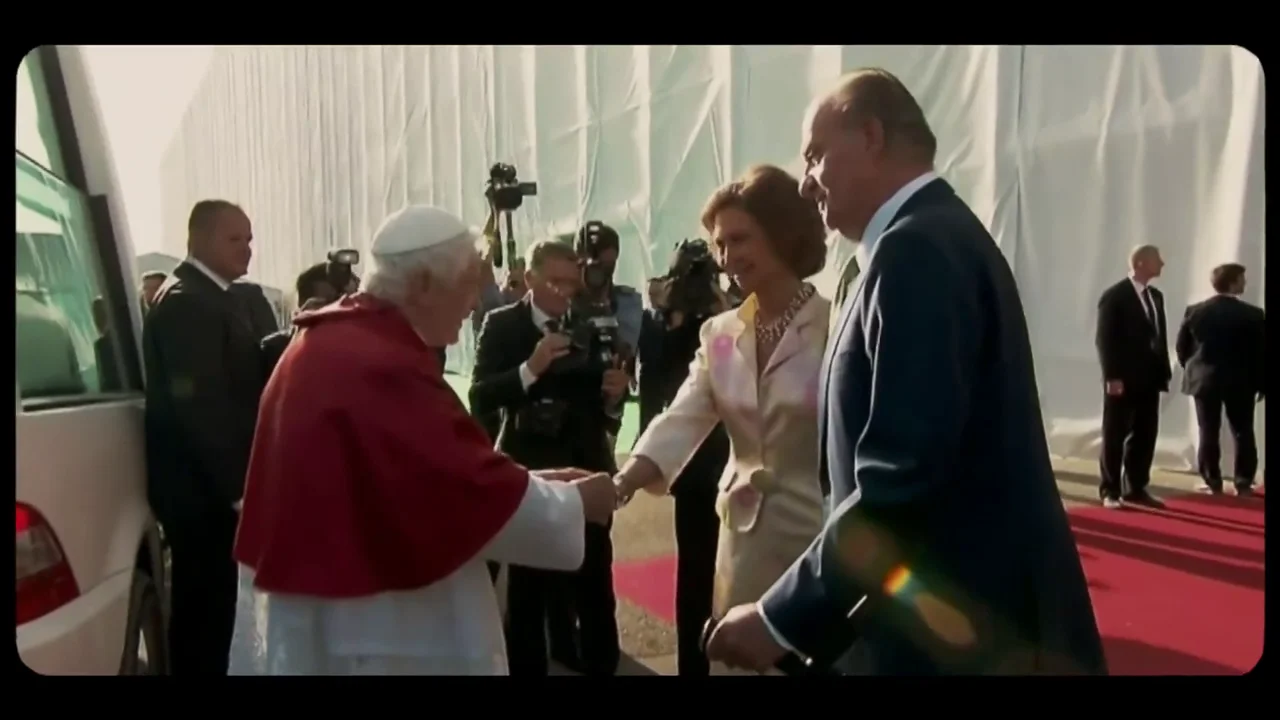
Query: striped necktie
{"x": 847, "y": 277}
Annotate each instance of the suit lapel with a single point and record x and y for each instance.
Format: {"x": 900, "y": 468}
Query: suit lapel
{"x": 740, "y": 328}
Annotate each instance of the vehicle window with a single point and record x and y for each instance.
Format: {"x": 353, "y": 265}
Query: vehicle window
{"x": 37, "y": 136}
{"x": 65, "y": 343}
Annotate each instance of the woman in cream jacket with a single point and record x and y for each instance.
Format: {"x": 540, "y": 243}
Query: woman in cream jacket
{"x": 757, "y": 371}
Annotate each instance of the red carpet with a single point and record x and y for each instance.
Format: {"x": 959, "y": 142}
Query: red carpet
{"x": 1177, "y": 591}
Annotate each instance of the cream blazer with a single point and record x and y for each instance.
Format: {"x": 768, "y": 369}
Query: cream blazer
{"x": 770, "y": 504}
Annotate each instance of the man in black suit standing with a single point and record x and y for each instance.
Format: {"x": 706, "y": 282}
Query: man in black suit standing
{"x": 552, "y": 416}
{"x": 1220, "y": 347}
{"x": 204, "y": 379}
{"x": 1133, "y": 347}
{"x": 946, "y": 549}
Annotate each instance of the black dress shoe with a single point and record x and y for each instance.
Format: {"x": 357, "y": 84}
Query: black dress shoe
{"x": 1207, "y": 488}
{"x": 1142, "y": 497}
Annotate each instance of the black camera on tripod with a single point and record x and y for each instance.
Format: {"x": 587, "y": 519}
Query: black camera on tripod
{"x": 505, "y": 193}
{"x": 693, "y": 279}
{"x": 504, "y": 189}
{"x": 337, "y": 268}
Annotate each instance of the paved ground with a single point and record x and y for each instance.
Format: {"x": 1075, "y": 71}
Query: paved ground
{"x": 644, "y": 529}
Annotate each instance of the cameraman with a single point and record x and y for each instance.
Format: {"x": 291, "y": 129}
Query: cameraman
{"x": 597, "y": 247}
{"x": 552, "y": 416}
{"x": 315, "y": 289}
{"x": 669, "y": 340}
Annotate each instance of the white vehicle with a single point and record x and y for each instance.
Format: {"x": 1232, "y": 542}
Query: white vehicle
{"x": 90, "y": 590}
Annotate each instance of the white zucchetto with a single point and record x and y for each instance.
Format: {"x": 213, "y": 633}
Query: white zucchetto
{"x": 414, "y": 228}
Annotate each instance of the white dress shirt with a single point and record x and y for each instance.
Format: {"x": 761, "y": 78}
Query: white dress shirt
{"x": 215, "y": 277}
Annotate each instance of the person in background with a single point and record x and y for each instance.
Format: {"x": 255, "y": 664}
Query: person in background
{"x": 373, "y": 499}
{"x": 314, "y": 291}
{"x": 552, "y": 416}
{"x": 148, "y": 288}
{"x": 1220, "y": 347}
{"x": 492, "y": 297}
{"x": 1133, "y": 348}
{"x": 104, "y": 352}
{"x": 204, "y": 379}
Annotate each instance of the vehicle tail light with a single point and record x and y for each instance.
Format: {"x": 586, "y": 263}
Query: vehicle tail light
{"x": 44, "y": 579}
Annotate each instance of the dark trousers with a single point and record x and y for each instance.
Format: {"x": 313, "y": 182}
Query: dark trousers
{"x": 1239, "y": 410}
{"x": 203, "y": 592}
{"x": 697, "y": 532}
{"x": 1129, "y": 425}
{"x": 587, "y": 593}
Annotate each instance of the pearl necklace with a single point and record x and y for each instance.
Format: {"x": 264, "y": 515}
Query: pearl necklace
{"x": 773, "y": 330}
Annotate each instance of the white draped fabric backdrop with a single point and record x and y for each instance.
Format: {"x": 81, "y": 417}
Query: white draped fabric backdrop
{"x": 1071, "y": 155}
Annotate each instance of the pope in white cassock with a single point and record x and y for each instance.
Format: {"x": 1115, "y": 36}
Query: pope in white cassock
{"x": 373, "y": 499}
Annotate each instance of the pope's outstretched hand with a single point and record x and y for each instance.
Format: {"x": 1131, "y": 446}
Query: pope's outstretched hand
{"x": 599, "y": 498}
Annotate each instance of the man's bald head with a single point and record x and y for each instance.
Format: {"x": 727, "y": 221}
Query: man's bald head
{"x": 863, "y": 141}
{"x": 219, "y": 235}
{"x": 875, "y": 95}
{"x": 1145, "y": 262}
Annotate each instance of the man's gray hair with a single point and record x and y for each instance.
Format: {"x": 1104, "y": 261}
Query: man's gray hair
{"x": 392, "y": 274}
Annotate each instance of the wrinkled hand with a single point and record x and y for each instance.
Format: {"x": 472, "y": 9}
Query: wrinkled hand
{"x": 599, "y": 498}
{"x": 615, "y": 384}
{"x": 561, "y": 474}
{"x": 741, "y": 640}
{"x": 623, "y": 489}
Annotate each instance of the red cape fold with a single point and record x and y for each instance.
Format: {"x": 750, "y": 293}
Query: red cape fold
{"x": 367, "y": 474}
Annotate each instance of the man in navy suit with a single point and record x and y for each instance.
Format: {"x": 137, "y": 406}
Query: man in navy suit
{"x": 947, "y": 549}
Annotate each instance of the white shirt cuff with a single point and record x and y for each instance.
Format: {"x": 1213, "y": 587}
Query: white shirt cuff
{"x": 777, "y": 636}
{"x": 546, "y": 531}
{"x": 527, "y": 377}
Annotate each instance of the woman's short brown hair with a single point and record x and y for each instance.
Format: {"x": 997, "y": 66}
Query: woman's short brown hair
{"x": 792, "y": 224}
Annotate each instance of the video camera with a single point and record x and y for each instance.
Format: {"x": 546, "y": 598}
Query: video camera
{"x": 337, "y": 268}
{"x": 692, "y": 280}
{"x": 505, "y": 193}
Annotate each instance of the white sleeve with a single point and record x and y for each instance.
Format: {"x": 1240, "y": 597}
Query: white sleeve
{"x": 546, "y": 531}
{"x": 527, "y": 377}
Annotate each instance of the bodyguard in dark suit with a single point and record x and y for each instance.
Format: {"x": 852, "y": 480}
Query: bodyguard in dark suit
{"x": 550, "y": 419}
{"x": 666, "y": 347}
{"x": 1220, "y": 347}
{"x": 947, "y": 549}
{"x": 1133, "y": 348}
{"x": 204, "y": 379}
{"x": 262, "y": 317}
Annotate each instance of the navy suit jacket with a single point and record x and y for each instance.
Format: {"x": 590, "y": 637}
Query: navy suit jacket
{"x": 947, "y": 550}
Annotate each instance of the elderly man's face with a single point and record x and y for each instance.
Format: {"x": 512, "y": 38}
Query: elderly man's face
{"x": 446, "y": 306}
{"x": 840, "y": 166}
